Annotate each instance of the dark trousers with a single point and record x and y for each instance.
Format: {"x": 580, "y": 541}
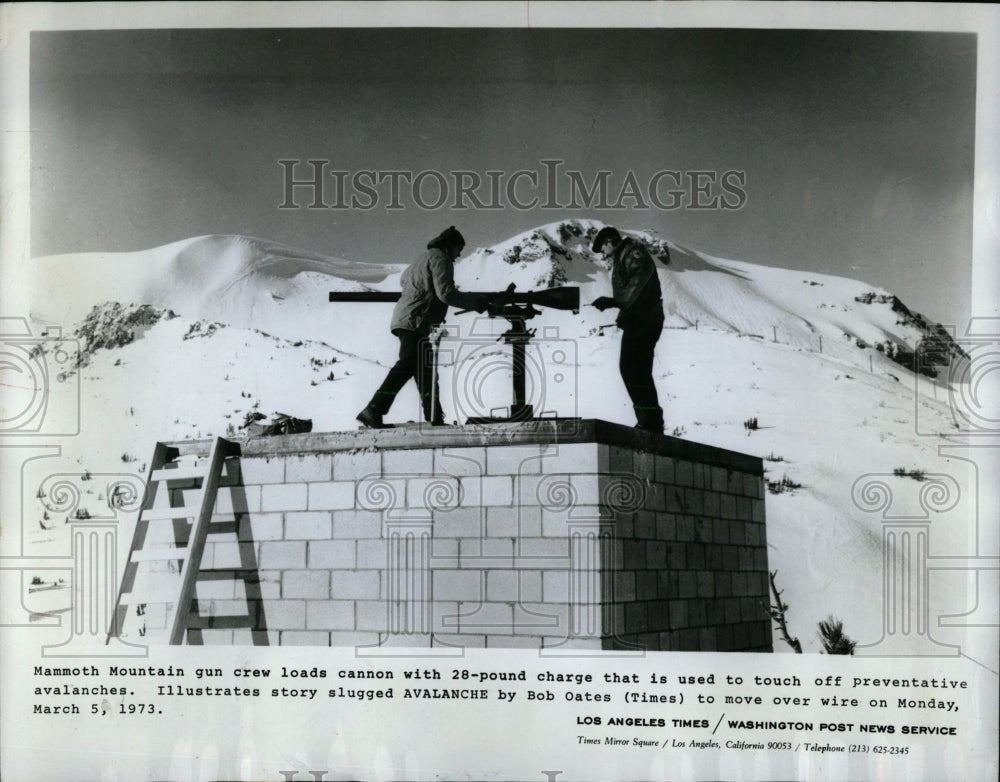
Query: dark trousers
{"x": 636, "y": 366}
{"x": 416, "y": 360}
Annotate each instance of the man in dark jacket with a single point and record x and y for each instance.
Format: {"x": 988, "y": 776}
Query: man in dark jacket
{"x": 427, "y": 288}
{"x": 635, "y": 289}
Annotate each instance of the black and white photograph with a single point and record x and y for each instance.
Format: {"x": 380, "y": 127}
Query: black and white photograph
{"x": 502, "y": 391}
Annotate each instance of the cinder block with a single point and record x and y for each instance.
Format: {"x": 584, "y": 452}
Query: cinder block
{"x": 269, "y": 584}
{"x": 760, "y": 559}
{"x": 663, "y": 470}
{"x": 730, "y": 558}
{"x": 713, "y": 504}
{"x": 658, "y": 615}
{"x": 501, "y": 522}
{"x": 635, "y": 554}
{"x": 529, "y": 586}
{"x": 636, "y": 617}
{"x": 460, "y": 461}
{"x": 739, "y": 584}
{"x": 555, "y": 586}
{"x": 666, "y": 526}
{"x": 487, "y": 618}
{"x": 336, "y": 555}
{"x": 542, "y": 552}
{"x": 685, "y": 528}
{"x": 757, "y": 511}
{"x": 575, "y": 458}
{"x": 333, "y": 495}
{"x": 257, "y": 471}
{"x": 707, "y": 639}
{"x": 282, "y": 555}
{"x": 532, "y": 490}
{"x": 698, "y": 476}
{"x": 677, "y": 556}
{"x": 645, "y": 585}
{"x": 733, "y": 613}
{"x": 353, "y": 524}
{"x": 696, "y": 556}
{"x": 644, "y": 466}
{"x": 285, "y": 614}
{"x": 743, "y": 512}
{"x": 462, "y": 585}
{"x": 656, "y": 554}
{"x": 304, "y": 468}
{"x": 746, "y": 558}
{"x": 705, "y": 583}
{"x": 752, "y": 486}
{"x": 587, "y": 488}
{"x": 529, "y": 521}
{"x": 356, "y": 585}
{"x": 656, "y": 496}
{"x": 372, "y": 615}
{"x": 554, "y": 619}
{"x": 684, "y": 473}
{"x": 407, "y": 462}
{"x": 216, "y": 637}
{"x": 485, "y": 552}
{"x": 313, "y": 585}
{"x": 720, "y": 479}
{"x": 489, "y": 490}
{"x": 460, "y": 523}
{"x": 750, "y": 609}
{"x": 673, "y": 499}
{"x": 687, "y": 584}
{"x": 624, "y": 587}
{"x": 736, "y": 533}
{"x": 374, "y": 555}
{"x": 502, "y": 585}
{"x": 723, "y": 583}
{"x": 237, "y": 499}
{"x": 356, "y": 465}
{"x": 261, "y": 526}
{"x": 741, "y": 637}
{"x": 727, "y": 506}
{"x": 620, "y": 459}
{"x": 435, "y": 493}
{"x": 308, "y": 525}
{"x": 666, "y": 584}
{"x": 212, "y": 590}
{"x": 283, "y": 497}
{"x": 694, "y": 502}
{"x": 515, "y": 460}
{"x": 304, "y": 638}
{"x": 735, "y": 482}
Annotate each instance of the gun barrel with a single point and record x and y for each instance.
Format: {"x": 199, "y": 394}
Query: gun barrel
{"x": 365, "y": 296}
{"x": 566, "y": 298}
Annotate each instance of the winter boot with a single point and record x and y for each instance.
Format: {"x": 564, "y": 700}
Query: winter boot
{"x": 371, "y": 418}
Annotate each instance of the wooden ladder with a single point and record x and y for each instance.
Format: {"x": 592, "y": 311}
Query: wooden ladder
{"x": 164, "y": 501}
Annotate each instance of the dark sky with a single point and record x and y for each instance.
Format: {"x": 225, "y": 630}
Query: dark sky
{"x": 856, "y": 147}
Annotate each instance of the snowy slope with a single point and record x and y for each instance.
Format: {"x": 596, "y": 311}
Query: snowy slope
{"x": 254, "y": 332}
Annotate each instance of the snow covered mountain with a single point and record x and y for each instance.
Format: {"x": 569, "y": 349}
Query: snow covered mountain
{"x": 813, "y": 373}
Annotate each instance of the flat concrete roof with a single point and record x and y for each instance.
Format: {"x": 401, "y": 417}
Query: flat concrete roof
{"x": 552, "y": 431}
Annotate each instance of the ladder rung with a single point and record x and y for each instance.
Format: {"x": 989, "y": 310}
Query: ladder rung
{"x": 159, "y": 554}
{"x": 158, "y": 596}
{"x": 226, "y": 574}
{"x": 166, "y": 514}
{"x": 196, "y": 622}
{"x": 178, "y": 474}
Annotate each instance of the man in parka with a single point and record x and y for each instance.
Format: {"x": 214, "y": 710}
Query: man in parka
{"x": 635, "y": 289}
{"x": 427, "y": 288}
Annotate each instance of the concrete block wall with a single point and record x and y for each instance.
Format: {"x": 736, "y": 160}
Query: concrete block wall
{"x": 595, "y": 537}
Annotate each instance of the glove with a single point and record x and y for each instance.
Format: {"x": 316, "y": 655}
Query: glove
{"x": 604, "y": 302}
{"x": 482, "y": 302}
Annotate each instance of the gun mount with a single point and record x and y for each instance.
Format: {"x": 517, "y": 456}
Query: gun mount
{"x": 516, "y": 308}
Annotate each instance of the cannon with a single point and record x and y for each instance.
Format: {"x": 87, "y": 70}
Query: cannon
{"x": 567, "y": 298}
{"x": 517, "y": 308}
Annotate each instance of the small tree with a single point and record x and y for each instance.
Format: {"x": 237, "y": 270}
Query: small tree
{"x": 777, "y": 613}
{"x": 831, "y": 634}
